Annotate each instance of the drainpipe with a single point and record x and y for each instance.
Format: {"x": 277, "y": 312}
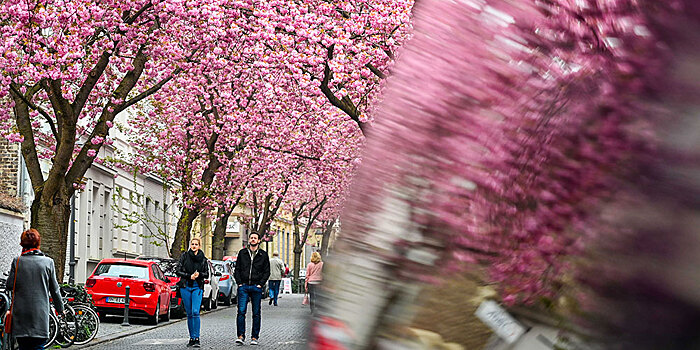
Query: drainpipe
{"x": 71, "y": 261}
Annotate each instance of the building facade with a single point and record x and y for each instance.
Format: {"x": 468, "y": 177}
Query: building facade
{"x": 117, "y": 214}
{"x": 11, "y": 211}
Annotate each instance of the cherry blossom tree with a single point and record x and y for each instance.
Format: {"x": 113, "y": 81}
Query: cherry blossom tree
{"x": 69, "y": 67}
{"x": 506, "y": 127}
{"x": 342, "y": 50}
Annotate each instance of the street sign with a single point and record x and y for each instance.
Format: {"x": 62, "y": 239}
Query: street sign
{"x": 500, "y": 321}
{"x": 286, "y": 286}
{"x": 233, "y": 226}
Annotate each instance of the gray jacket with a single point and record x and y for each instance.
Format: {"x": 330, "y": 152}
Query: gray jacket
{"x": 36, "y": 279}
{"x": 276, "y": 269}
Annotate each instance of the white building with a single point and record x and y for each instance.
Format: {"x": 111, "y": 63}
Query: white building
{"x": 118, "y": 214}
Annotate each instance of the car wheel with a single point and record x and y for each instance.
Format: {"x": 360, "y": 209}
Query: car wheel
{"x": 227, "y": 299}
{"x": 166, "y": 316}
{"x": 154, "y": 319}
{"x": 207, "y": 304}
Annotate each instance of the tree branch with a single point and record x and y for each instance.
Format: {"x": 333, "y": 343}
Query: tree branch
{"x": 82, "y": 162}
{"x": 90, "y": 82}
{"x": 376, "y": 71}
{"x": 24, "y": 124}
{"x": 346, "y": 105}
{"x": 67, "y": 125}
{"x": 148, "y": 92}
{"x": 290, "y": 152}
{"x": 36, "y": 108}
{"x": 130, "y": 20}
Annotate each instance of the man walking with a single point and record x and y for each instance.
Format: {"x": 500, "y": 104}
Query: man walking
{"x": 251, "y": 273}
{"x": 276, "y": 272}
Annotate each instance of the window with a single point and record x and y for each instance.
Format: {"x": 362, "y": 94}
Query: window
{"x": 220, "y": 268}
{"x": 157, "y": 272}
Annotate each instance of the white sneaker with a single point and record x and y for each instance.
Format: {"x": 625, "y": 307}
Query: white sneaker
{"x": 253, "y": 341}
{"x": 239, "y": 341}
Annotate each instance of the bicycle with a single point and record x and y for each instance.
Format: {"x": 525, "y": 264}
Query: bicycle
{"x": 6, "y": 339}
{"x": 65, "y": 326}
{"x": 87, "y": 319}
{"x": 88, "y": 324}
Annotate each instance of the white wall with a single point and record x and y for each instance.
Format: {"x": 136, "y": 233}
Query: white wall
{"x": 97, "y": 233}
{"x": 11, "y": 227}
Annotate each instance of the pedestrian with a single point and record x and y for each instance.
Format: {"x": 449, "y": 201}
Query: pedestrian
{"x": 314, "y": 279}
{"x": 276, "y": 272}
{"x": 33, "y": 278}
{"x": 192, "y": 270}
{"x": 251, "y": 273}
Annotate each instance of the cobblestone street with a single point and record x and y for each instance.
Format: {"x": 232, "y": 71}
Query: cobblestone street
{"x": 283, "y": 327}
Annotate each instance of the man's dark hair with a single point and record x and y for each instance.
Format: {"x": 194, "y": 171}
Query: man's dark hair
{"x": 254, "y": 233}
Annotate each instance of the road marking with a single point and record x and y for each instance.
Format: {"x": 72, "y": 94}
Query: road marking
{"x": 292, "y": 342}
{"x": 166, "y": 341}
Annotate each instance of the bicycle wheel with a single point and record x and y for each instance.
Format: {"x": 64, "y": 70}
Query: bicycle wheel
{"x": 53, "y": 329}
{"x": 88, "y": 323}
{"x": 8, "y": 342}
{"x": 67, "y": 327}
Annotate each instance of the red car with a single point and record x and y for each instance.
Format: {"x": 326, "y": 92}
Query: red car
{"x": 149, "y": 293}
{"x": 169, "y": 267}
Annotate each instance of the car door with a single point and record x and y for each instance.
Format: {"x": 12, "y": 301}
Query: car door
{"x": 214, "y": 280}
{"x": 162, "y": 287}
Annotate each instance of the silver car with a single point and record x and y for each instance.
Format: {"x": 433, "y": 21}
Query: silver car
{"x": 227, "y": 284}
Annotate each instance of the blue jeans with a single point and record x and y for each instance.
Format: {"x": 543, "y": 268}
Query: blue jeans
{"x": 192, "y": 301}
{"x": 30, "y": 343}
{"x": 255, "y": 294}
{"x": 274, "y": 290}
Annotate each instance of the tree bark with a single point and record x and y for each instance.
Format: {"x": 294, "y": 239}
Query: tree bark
{"x": 219, "y": 237}
{"x": 184, "y": 226}
{"x": 297, "y": 246}
{"x": 51, "y": 220}
{"x": 325, "y": 241}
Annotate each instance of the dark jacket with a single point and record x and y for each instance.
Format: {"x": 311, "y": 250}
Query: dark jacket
{"x": 188, "y": 264}
{"x": 254, "y": 273}
{"x": 36, "y": 281}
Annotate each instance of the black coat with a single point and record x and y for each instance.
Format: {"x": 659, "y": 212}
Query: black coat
{"x": 254, "y": 273}
{"x": 188, "y": 264}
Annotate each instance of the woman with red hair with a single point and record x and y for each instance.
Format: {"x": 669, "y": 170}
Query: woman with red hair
{"x": 32, "y": 278}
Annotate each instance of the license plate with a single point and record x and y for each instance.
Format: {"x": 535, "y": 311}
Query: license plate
{"x": 115, "y": 300}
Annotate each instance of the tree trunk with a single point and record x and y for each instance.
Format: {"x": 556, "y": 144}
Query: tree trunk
{"x": 184, "y": 226}
{"x": 297, "y": 247}
{"x": 51, "y": 220}
{"x": 297, "y": 264}
{"x": 325, "y": 241}
{"x": 218, "y": 239}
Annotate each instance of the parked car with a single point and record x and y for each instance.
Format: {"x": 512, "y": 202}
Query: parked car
{"x": 227, "y": 285}
{"x": 169, "y": 267}
{"x": 149, "y": 293}
{"x": 211, "y": 288}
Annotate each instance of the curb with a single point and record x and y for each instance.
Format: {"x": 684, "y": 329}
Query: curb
{"x": 124, "y": 334}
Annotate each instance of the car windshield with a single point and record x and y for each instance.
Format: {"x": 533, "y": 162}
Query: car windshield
{"x": 122, "y": 270}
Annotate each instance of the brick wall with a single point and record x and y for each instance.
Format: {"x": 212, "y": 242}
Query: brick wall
{"x": 9, "y": 163}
